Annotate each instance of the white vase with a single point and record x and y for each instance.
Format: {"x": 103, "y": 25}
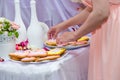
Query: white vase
{"x": 35, "y": 32}
{"x": 7, "y": 45}
{"x": 19, "y": 21}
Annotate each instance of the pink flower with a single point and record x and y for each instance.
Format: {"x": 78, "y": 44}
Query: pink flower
{"x": 22, "y": 45}
{"x": 1, "y": 59}
{"x": 15, "y": 26}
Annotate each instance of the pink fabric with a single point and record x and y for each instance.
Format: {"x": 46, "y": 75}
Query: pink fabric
{"x": 104, "y": 58}
{"x": 114, "y": 1}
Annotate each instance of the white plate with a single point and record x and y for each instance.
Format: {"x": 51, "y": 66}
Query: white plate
{"x": 68, "y": 47}
{"x": 45, "y": 61}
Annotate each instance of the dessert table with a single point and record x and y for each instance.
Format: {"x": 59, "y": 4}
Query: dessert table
{"x": 73, "y": 66}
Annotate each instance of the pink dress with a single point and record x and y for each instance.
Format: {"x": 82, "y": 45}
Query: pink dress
{"x": 104, "y": 58}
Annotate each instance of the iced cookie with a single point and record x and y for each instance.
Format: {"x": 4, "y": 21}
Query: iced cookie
{"x": 47, "y": 58}
{"x": 56, "y": 51}
{"x": 51, "y": 42}
{"x": 84, "y": 38}
{"x": 28, "y": 59}
{"x": 18, "y": 55}
{"x": 38, "y": 53}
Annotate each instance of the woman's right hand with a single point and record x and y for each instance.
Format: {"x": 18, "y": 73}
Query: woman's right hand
{"x": 54, "y": 30}
{"x": 52, "y": 33}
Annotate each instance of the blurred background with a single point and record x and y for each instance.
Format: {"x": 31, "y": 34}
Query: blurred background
{"x": 50, "y": 12}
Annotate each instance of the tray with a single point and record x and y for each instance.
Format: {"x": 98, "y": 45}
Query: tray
{"x": 68, "y": 47}
{"x": 45, "y": 61}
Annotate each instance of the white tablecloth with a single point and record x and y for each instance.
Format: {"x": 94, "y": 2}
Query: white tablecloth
{"x": 73, "y": 66}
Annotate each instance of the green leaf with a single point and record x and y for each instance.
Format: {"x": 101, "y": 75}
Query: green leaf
{"x": 0, "y": 22}
{"x": 9, "y": 33}
{"x": 16, "y": 34}
{"x": 1, "y": 32}
{"x": 7, "y": 26}
{"x": 6, "y": 22}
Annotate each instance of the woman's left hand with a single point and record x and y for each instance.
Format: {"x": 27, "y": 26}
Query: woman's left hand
{"x": 66, "y": 37}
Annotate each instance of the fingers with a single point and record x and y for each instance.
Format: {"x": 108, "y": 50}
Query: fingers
{"x": 52, "y": 33}
{"x": 60, "y": 40}
{"x": 49, "y": 35}
{"x": 65, "y": 37}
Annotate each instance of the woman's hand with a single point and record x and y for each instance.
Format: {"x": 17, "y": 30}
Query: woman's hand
{"x": 53, "y": 32}
{"x": 66, "y": 37}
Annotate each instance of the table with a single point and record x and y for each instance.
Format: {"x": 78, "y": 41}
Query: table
{"x": 73, "y": 66}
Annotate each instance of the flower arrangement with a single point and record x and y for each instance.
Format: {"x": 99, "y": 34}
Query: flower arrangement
{"x": 9, "y": 27}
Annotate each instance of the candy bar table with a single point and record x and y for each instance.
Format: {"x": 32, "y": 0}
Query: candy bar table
{"x": 73, "y": 66}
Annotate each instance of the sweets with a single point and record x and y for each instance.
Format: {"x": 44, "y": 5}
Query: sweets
{"x": 84, "y": 38}
{"x": 56, "y": 51}
{"x": 51, "y": 42}
{"x": 28, "y": 59}
{"x": 47, "y": 58}
{"x": 37, "y": 55}
{"x": 81, "y": 41}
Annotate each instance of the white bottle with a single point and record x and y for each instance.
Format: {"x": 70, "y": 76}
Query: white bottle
{"x": 18, "y": 20}
{"x": 35, "y": 32}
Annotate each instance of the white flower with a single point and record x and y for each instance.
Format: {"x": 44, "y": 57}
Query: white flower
{"x": 3, "y": 19}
